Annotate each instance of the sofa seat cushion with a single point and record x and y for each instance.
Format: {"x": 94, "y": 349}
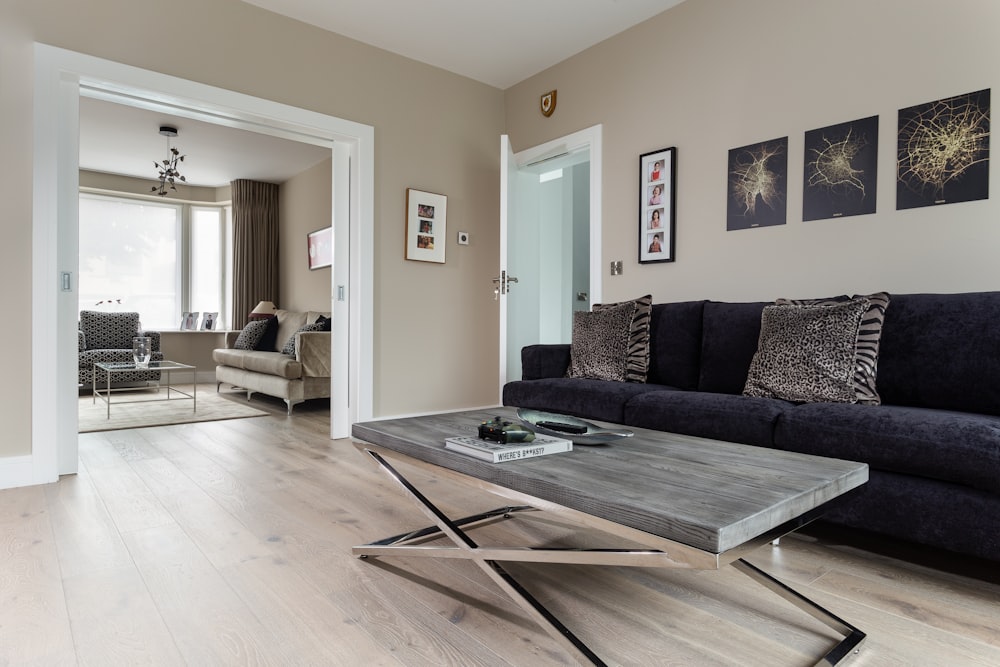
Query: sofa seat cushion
{"x": 580, "y": 397}
{"x": 957, "y": 447}
{"x": 744, "y": 419}
{"x": 269, "y": 363}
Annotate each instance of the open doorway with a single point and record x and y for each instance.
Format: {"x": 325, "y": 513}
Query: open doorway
{"x": 550, "y": 241}
{"x": 60, "y": 77}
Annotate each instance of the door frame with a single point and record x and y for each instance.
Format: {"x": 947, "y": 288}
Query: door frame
{"x": 589, "y": 138}
{"x": 59, "y": 77}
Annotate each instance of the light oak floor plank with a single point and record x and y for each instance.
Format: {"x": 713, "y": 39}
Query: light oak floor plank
{"x": 230, "y": 543}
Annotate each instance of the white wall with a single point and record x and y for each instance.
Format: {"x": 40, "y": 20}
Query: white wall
{"x": 711, "y": 75}
{"x": 435, "y": 131}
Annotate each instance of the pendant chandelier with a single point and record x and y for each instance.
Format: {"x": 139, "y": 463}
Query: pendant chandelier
{"x": 168, "y": 168}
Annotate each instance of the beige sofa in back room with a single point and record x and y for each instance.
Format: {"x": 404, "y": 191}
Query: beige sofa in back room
{"x": 268, "y": 371}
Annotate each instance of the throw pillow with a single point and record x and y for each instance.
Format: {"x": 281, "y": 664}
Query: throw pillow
{"x": 325, "y": 321}
{"x": 637, "y": 362}
{"x": 269, "y": 341}
{"x": 600, "y": 343}
{"x": 289, "y": 347}
{"x": 250, "y": 337}
{"x": 807, "y": 353}
{"x": 869, "y": 339}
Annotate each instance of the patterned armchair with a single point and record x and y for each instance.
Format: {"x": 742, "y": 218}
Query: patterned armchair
{"x": 108, "y": 337}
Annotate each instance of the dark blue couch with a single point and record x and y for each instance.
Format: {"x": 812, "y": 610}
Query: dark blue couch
{"x": 933, "y": 446}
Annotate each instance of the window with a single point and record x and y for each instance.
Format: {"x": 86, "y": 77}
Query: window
{"x": 157, "y": 258}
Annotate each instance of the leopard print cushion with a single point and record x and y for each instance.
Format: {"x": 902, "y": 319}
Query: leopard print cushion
{"x": 869, "y": 340}
{"x": 637, "y": 362}
{"x": 807, "y": 353}
{"x": 601, "y": 342}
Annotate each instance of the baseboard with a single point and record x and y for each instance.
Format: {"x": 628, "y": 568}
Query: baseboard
{"x": 16, "y": 471}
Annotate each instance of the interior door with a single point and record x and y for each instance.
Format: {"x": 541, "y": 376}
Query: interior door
{"x": 545, "y": 247}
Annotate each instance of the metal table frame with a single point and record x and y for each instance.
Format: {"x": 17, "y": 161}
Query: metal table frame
{"x": 110, "y": 367}
{"x": 662, "y": 553}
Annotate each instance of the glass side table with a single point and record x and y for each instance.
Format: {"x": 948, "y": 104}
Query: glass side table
{"x": 109, "y": 370}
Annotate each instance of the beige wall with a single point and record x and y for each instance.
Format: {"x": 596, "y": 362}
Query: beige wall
{"x": 433, "y": 130}
{"x": 711, "y": 75}
{"x": 304, "y": 205}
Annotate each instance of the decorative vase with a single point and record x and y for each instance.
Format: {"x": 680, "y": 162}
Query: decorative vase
{"x": 142, "y": 350}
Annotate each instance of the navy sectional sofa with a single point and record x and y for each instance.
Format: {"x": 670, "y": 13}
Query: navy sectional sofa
{"x": 933, "y": 446}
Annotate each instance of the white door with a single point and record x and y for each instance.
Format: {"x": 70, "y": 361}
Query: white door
{"x": 549, "y": 259}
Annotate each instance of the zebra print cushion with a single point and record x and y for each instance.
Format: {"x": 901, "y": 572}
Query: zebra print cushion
{"x": 600, "y": 343}
{"x": 869, "y": 339}
{"x": 637, "y": 361}
{"x": 807, "y": 353}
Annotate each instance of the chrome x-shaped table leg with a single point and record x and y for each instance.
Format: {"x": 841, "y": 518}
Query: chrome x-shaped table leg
{"x": 487, "y": 558}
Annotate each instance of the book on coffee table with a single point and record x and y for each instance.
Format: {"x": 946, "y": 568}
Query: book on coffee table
{"x": 498, "y": 452}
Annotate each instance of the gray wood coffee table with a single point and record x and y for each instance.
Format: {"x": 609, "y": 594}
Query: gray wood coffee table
{"x": 694, "y": 503}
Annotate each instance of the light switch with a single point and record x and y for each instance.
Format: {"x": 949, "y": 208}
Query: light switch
{"x": 616, "y": 267}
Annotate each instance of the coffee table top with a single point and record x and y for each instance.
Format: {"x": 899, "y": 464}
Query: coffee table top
{"x": 708, "y": 494}
{"x": 130, "y": 366}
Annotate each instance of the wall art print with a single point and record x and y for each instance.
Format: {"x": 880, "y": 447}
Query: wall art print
{"x": 426, "y": 225}
{"x": 319, "y": 248}
{"x": 839, "y": 175}
{"x": 657, "y": 205}
{"x": 758, "y": 185}
{"x": 943, "y": 151}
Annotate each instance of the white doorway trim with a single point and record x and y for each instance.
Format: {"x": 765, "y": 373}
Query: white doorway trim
{"x": 60, "y": 78}
{"x": 586, "y": 139}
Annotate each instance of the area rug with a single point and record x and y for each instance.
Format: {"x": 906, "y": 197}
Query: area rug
{"x": 211, "y": 407}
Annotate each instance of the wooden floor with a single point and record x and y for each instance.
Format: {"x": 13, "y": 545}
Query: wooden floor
{"x": 228, "y": 543}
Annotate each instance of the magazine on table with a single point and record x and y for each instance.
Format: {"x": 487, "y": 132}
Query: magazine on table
{"x": 498, "y": 452}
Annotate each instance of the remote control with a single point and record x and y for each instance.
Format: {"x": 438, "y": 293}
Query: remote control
{"x": 563, "y": 427}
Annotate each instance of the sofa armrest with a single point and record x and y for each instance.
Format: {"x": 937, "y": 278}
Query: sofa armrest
{"x": 81, "y": 341}
{"x": 544, "y": 361}
{"x": 231, "y": 337}
{"x": 154, "y": 339}
{"x": 312, "y": 350}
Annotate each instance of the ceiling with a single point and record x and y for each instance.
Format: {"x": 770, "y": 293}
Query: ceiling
{"x": 120, "y": 139}
{"x": 498, "y": 43}
{"x": 470, "y": 38}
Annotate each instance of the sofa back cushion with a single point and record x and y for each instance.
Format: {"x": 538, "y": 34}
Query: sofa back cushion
{"x": 729, "y": 340}
{"x": 675, "y": 344}
{"x": 108, "y": 331}
{"x": 941, "y": 351}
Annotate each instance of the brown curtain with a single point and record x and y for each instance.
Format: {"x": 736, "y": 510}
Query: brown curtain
{"x": 255, "y": 247}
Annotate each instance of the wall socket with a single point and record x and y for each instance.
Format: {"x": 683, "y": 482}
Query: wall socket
{"x": 616, "y": 268}
{"x": 463, "y": 238}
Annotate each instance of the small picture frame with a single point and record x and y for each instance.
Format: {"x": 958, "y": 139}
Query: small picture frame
{"x": 426, "y": 226}
{"x": 189, "y": 321}
{"x": 320, "y": 248}
{"x": 208, "y": 321}
{"x": 657, "y": 205}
